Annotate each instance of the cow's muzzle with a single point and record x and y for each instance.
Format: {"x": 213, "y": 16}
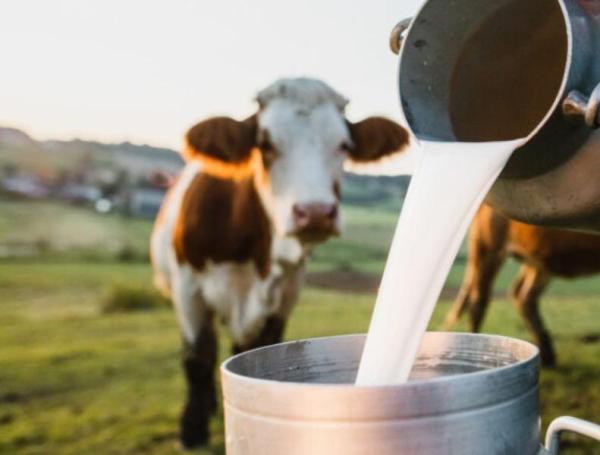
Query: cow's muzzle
{"x": 315, "y": 221}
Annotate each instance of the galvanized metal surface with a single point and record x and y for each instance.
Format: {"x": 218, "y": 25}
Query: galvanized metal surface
{"x": 469, "y": 394}
{"x": 554, "y": 179}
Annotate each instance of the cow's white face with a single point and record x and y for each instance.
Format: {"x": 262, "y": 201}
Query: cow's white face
{"x": 304, "y": 149}
{"x": 295, "y": 147}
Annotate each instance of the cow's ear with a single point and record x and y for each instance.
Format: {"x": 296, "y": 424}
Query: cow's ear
{"x": 375, "y": 138}
{"x": 222, "y": 138}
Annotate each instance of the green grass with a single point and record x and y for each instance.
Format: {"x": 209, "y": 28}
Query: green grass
{"x": 121, "y": 298}
{"x": 53, "y": 228}
{"x": 65, "y": 233}
{"x": 364, "y": 244}
{"x": 74, "y": 380}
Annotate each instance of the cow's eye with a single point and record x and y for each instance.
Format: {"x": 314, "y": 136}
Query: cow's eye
{"x": 345, "y": 147}
{"x": 269, "y": 155}
{"x": 267, "y": 148}
{"x": 266, "y": 145}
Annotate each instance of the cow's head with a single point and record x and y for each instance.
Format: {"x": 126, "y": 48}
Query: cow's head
{"x": 295, "y": 146}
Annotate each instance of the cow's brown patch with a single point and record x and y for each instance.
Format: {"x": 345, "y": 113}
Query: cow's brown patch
{"x": 222, "y": 138}
{"x": 376, "y": 137}
{"x": 562, "y": 253}
{"x": 223, "y": 220}
{"x": 558, "y": 252}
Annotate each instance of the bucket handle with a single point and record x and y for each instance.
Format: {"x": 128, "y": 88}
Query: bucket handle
{"x": 396, "y": 37}
{"x": 577, "y": 105}
{"x": 566, "y": 423}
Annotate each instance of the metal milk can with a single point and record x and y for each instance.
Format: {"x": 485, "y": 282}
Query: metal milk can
{"x": 489, "y": 70}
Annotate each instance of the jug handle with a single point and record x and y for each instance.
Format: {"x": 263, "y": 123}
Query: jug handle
{"x": 396, "y": 37}
{"x": 577, "y": 105}
{"x": 566, "y": 423}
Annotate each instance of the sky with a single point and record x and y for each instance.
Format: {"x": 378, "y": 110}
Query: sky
{"x": 145, "y": 70}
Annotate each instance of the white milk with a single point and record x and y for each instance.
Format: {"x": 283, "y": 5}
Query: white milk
{"x": 448, "y": 186}
{"x": 504, "y": 83}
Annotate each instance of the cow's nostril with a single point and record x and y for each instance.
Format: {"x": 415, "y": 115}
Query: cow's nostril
{"x": 333, "y": 212}
{"x": 315, "y": 216}
{"x": 299, "y": 211}
{"x": 302, "y": 216}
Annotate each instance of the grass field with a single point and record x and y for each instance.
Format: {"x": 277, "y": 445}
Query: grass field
{"x": 76, "y": 380}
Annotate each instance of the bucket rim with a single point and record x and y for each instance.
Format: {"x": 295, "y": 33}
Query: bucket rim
{"x": 420, "y": 398}
{"x": 531, "y": 359}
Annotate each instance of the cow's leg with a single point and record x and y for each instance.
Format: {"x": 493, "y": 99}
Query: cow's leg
{"x": 461, "y": 303}
{"x": 487, "y": 239}
{"x": 481, "y": 291}
{"x": 271, "y": 333}
{"x": 534, "y": 282}
{"x": 199, "y": 359}
{"x": 517, "y": 284}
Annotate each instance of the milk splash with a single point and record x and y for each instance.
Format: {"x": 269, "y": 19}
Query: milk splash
{"x": 449, "y": 184}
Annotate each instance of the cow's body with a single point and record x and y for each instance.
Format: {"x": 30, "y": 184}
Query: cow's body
{"x": 238, "y": 271}
{"x": 544, "y": 253}
{"x": 254, "y": 197}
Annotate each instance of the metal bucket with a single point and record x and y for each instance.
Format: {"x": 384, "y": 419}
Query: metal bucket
{"x": 485, "y": 70}
{"x": 468, "y": 394}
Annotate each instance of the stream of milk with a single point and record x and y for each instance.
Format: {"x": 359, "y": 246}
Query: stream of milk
{"x": 449, "y": 183}
{"x": 504, "y": 84}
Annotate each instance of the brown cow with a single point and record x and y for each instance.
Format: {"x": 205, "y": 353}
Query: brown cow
{"x": 234, "y": 232}
{"x": 544, "y": 252}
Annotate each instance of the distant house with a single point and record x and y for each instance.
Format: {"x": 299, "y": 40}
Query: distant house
{"x": 25, "y": 186}
{"x": 79, "y": 193}
{"x": 145, "y": 202}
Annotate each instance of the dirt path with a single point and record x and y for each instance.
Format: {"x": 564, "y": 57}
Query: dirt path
{"x": 353, "y": 281}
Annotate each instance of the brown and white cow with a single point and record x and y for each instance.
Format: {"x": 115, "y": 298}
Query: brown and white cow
{"x": 255, "y": 195}
{"x": 544, "y": 253}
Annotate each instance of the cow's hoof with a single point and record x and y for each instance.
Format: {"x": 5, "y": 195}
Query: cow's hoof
{"x": 547, "y": 358}
{"x": 193, "y": 439}
{"x": 547, "y": 353}
{"x": 194, "y": 428}
{"x": 548, "y": 362}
